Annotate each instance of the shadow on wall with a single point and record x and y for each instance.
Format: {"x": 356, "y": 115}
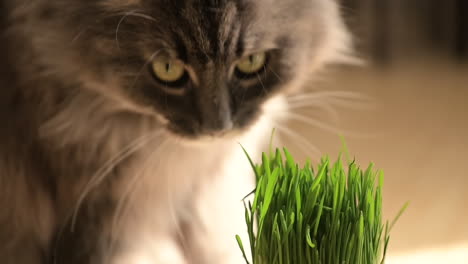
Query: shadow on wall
{"x": 391, "y": 30}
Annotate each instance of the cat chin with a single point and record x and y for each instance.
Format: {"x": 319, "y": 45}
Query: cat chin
{"x": 205, "y": 140}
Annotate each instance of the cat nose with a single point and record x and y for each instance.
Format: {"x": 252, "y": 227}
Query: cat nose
{"x": 218, "y": 124}
{"x": 214, "y": 102}
{"x": 216, "y": 117}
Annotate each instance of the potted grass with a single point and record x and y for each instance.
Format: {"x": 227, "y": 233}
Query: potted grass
{"x": 331, "y": 214}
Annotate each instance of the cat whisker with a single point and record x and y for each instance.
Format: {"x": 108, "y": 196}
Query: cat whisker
{"x": 345, "y": 103}
{"x": 134, "y": 13}
{"x": 325, "y": 106}
{"x": 118, "y": 28}
{"x": 131, "y": 186}
{"x": 100, "y": 174}
{"x": 322, "y": 125}
{"x": 304, "y": 145}
{"x": 274, "y": 73}
{"x": 122, "y": 206}
{"x": 108, "y": 166}
{"x": 325, "y": 100}
{"x": 138, "y": 75}
{"x": 261, "y": 83}
{"x": 78, "y": 35}
{"x": 141, "y": 15}
{"x": 345, "y": 95}
{"x": 172, "y": 212}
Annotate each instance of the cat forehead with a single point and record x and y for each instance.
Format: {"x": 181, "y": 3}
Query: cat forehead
{"x": 217, "y": 27}
{"x": 213, "y": 28}
{"x": 224, "y": 25}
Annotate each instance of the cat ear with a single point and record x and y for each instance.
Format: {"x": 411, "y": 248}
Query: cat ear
{"x": 340, "y": 48}
{"x": 338, "y": 45}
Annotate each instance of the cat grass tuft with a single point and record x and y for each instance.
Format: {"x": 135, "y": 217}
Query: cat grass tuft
{"x": 328, "y": 215}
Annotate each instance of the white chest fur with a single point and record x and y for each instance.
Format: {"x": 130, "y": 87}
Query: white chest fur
{"x": 209, "y": 178}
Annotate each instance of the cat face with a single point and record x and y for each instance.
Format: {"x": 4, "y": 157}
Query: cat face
{"x": 201, "y": 67}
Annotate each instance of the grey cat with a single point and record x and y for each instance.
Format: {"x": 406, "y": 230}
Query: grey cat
{"x": 121, "y": 121}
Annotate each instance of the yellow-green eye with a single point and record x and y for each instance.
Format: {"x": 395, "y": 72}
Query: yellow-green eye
{"x": 252, "y": 64}
{"x": 168, "y": 70}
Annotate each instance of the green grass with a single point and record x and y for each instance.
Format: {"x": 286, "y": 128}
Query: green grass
{"x": 328, "y": 215}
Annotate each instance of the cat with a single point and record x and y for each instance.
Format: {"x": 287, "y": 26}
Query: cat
{"x": 123, "y": 119}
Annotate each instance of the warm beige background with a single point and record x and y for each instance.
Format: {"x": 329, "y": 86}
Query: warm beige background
{"x": 417, "y": 133}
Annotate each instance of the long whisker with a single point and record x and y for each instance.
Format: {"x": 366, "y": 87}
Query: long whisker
{"x": 340, "y": 102}
{"x": 123, "y": 203}
{"x": 325, "y": 106}
{"x": 172, "y": 212}
{"x": 329, "y": 94}
{"x": 134, "y": 13}
{"x": 305, "y": 145}
{"x": 118, "y": 28}
{"x": 131, "y": 186}
{"x": 138, "y": 75}
{"x": 324, "y": 126}
{"x": 141, "y": 15}
{"x": 125, "y": 152}
{"x": 78, "y": 35}
{"x": 263, "y": 86}
{"x": 100, "y": 174}
{"x": 274, "y": 73}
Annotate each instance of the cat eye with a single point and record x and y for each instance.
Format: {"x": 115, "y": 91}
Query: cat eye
{"x": 252, "y": 64}
{"x": 170, "y": 72}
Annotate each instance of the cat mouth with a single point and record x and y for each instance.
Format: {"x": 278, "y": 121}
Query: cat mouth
{"x": 232, "y": 127}
{"x": 198, "y": 134}
{"x": 195, "y": 135}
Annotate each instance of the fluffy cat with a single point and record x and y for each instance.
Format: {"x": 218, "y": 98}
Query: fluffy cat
{"x": 122, "y": 118}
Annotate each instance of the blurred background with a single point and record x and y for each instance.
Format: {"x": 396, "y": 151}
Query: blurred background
{"x": 406, "y": 111}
